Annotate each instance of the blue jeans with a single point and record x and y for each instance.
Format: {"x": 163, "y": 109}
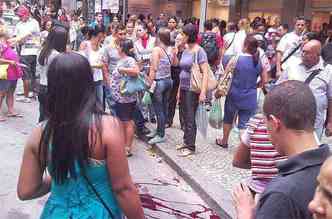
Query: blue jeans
{"x": 160, "y": 100}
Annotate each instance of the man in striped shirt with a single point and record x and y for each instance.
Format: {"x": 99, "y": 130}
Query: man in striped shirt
{"x": 256, "y": 152}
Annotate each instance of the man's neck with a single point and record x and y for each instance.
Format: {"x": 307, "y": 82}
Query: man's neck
{"x": 299, "y": 142}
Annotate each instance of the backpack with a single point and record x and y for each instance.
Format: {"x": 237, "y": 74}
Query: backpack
{"x": 209, "y": 44}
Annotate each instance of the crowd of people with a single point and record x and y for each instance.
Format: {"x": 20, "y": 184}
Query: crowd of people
{"x": 99, "y": 83}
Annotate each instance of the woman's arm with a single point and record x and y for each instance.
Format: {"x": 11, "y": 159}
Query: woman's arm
{"x": 7, "y": 61}
{"x": 155, "y": 59}
{"x": 31, "y": 183}
{"x": 117, "y": 164}
{"x": 241, "y": 157}
{"x": 204, "y": 68}
{"x": 132, "y": 71}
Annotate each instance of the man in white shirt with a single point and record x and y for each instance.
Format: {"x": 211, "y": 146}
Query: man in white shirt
{"x": 289, "y": 42}
{"x": 311, "y": 64}
{"x": 27, "y": 37}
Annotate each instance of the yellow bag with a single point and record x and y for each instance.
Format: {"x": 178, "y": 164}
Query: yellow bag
{"x": 3, "y": 72}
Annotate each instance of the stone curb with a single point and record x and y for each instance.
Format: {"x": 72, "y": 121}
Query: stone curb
{"x": 213, "y": 194}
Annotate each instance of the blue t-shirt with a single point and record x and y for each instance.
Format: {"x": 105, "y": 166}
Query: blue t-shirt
{"x": 186, "y": 62}
{"x": 243, "y": 91}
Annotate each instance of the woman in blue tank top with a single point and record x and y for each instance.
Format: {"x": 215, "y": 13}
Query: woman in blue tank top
{"x": 81, "y": 148}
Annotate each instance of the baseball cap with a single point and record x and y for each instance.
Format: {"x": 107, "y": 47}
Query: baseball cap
{"x": 22, "y": 11}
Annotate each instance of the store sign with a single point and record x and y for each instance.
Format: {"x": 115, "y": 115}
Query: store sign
{"x": 112, "y": 5}
{"x": 220, "y": 2}
{"x": 97, "y": 5}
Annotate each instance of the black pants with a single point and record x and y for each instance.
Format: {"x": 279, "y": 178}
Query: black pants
{"x": 172, "y": 102}
{"x": 188, "y": 106}
{"x": 42, "y": 102}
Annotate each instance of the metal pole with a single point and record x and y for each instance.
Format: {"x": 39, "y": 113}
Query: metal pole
{"x": 124, "y": 8}
{"x": 203, "y": 15}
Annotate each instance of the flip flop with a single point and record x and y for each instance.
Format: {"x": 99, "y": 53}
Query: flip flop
{"x": 17, "y": 115}
{"x": 2, "y": 119}
{"x": 220, "y": 144}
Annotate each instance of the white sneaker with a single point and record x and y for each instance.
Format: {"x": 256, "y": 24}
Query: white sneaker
{"x": 31, "y": 94}
{"x": 185, "y": 152}
{"x": 23, "y": 100}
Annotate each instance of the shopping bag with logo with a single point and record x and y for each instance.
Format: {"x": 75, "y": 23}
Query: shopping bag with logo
{"x": 202, "y": 120}
{"x": 216, "y": 115}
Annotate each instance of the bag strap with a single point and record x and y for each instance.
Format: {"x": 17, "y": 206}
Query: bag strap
{"x": 231, "y": 42}
{"x": 231, "y": 65}
{"x": 169, "y": 59}
{"x": 98, "y": 195}
{"x": 312, "y": 76}
{"x": 291, "y": 53}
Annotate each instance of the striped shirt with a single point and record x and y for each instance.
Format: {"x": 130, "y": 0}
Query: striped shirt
{"x": 263, "y": 154}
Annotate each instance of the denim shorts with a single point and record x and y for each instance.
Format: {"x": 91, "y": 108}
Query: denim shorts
{"x": 8, "y": 86}
{"x": 125, "y": 111}
{"x": 231, "y": 110}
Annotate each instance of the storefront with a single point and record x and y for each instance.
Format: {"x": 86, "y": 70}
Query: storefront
{"x": 321, "y": 12}
{"x": 215, "y": 9}
{"x": 180, "y": 8}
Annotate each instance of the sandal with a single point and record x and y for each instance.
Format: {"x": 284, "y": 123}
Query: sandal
{"x": 17, "y": 115}
{"x": 2, "y": 119}
{"x": 179, "y": 147}
{"x": 128, "y": 152}
{"x": 218, "y": 142}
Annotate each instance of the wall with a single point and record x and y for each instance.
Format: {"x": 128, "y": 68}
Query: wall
{"x": 213, "y": 10}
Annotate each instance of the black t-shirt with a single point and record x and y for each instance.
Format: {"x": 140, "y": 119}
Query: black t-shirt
{"x": 327, "y": 53}
{"x": 288, "y": 195}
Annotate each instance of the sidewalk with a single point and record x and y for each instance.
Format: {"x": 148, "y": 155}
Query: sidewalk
{"x": 209, "y": 171}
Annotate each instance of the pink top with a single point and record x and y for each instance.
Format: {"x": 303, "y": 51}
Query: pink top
{"x": 14, "y": 72}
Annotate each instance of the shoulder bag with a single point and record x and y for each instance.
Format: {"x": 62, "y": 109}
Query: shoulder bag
{"x": 196, "y": 79}
{"x": 226, "y": 79}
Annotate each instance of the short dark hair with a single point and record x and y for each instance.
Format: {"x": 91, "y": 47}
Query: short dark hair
{"x": 191, "y": 31}
{"x": 302, "y": 18}
{"x": 232, "y": 26}
{"x": 164, "y": 35}
{"x": 208, "y": 24}
{"x": 293, "y": 103}
{"x": 285, "y": 26}
{"x": 119, "y": 28}
{"x": 94, "y": 31}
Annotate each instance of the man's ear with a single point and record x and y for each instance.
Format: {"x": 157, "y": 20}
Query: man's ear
{"x": 275, "y": 122}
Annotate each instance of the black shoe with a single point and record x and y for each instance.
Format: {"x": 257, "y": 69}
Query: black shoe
{"x": 153, "y": 120}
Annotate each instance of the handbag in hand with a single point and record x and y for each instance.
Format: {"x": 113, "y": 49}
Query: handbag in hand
{"x": 226, "y": 79}
{"x": 196, "y": 80}
{"x": 131, "y": 85}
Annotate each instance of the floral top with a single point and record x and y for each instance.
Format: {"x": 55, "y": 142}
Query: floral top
{"x": 117, "y": 78}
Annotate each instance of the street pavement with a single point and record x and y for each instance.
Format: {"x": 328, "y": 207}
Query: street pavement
{"x": 165, "y": 195}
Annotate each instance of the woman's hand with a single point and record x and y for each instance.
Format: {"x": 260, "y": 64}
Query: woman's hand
{"x": 202, "y": 97}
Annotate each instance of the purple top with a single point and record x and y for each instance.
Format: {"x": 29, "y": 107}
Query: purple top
{"x": 243, "y": 91}
{"x": 186, "y": 62}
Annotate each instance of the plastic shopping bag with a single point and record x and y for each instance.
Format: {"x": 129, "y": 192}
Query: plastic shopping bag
{"x": 202, "y": 120}
{"x": 216, "y": 115}
{"x": 260, "y": 100}
{"x": 146, "y": 100}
